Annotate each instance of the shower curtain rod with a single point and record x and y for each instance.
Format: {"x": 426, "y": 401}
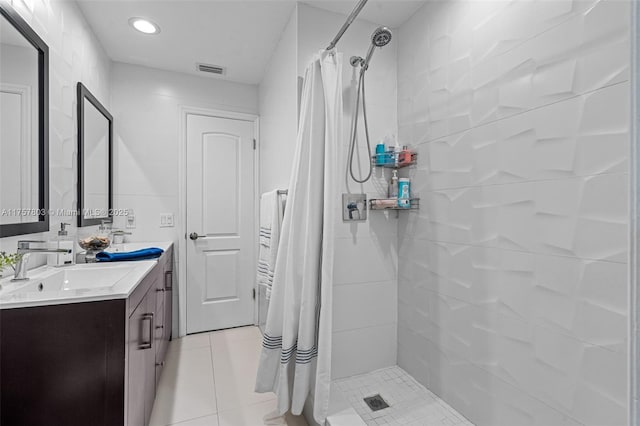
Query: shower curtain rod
{"x": 346, "y": 25}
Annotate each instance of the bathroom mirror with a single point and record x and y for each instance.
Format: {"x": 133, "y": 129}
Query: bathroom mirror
{"x": 24, "y": 127}
{"x": 95, "y": 147}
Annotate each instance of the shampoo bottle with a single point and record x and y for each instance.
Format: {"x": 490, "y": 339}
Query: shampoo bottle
{"x": 380, "y": 153}
{"x": 404, "y": 193}
{"x": 393, "y": 185}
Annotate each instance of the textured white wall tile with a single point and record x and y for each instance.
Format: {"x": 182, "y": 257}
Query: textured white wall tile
{"x": 487, "y": 399}
{"x": 522, "y": 54}
{"x": 584, "y": 217}
{"x": 581, "y": 136}
{"x": 561, "y": 293}
{"x": 553, "y": 370}
{"x": 593, "y": 407}
{"x": 605, "y": 380}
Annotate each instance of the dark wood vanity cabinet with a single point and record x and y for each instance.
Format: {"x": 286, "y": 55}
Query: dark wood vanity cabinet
{"x": 149, "y": 334}
{"x": 92, "y": 363}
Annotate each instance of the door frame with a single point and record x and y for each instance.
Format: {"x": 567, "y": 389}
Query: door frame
{"x": 182, "y": 201}
{"x": 633, "y": 345}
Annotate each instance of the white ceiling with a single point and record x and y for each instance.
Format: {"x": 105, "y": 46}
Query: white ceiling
{"x": 239, "y": 35}
{"x": 391, "y": 13}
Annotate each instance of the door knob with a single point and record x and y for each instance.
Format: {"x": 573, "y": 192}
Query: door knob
{"x": 194, "y": 236}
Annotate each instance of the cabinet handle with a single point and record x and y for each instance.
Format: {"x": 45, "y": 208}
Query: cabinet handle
{"x": 160, "y": 290}
{"x": 149, "y": 344}
{"x": 168, "y": 283}
{"x": 160, "y": 364}
{"x": 159, "y": 327}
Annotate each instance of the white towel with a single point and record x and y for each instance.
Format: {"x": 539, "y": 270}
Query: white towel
{"x": 296, "y": 348}
{"x": 270, "y": 219}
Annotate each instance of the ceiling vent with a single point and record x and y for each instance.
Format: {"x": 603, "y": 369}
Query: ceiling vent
{"x": 211, "y": 69}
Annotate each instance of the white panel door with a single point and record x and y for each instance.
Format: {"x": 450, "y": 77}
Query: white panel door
{"x": 220, "y": 223}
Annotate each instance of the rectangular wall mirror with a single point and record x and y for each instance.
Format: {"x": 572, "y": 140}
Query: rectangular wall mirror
{"x": 95, "y": 151}
{"x": 24, "y": 127}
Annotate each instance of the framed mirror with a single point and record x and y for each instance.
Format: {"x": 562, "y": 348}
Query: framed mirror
{"x": 24, "y": 127}
{"x": 95, "y": 159}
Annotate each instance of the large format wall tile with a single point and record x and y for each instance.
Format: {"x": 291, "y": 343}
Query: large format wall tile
{"x": 552, "y": 368}
{"x": 364, "y": 259}
{"x": 551, "y": 291}
{"x": 581, "y": 136}
{"x": 363, "y": 350}
{"x": 480, "y": 67}
{"x": 513, "y": 281}
{"x": 583, "y": 217}
{"x": 364, "y": 305}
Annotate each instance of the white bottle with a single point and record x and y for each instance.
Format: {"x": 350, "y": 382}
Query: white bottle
{"x": 393, "y": 185}
{"x": 397, "y": 151}
{"x": 404, "y": 193}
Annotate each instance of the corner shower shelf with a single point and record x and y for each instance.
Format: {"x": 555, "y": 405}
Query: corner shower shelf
{"x": 394, "y": 160}
{"x": 386, "y": 204}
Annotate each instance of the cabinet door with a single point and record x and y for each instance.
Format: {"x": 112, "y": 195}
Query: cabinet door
{"x": 140, "y": 339}
{"x": 168, "y": 301}
{"x": 159, "y": 329}
{"x": 63, "y": 364}
{"x": 150, "y": 353}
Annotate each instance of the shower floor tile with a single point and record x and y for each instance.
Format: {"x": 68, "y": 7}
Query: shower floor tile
{"x": 410, "y": 403}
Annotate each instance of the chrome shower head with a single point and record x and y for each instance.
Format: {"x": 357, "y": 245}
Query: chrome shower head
{"x": 380, "y": 37}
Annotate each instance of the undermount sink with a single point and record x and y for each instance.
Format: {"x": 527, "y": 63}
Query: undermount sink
{"x": 50, "y": 285}
{"x": 76, "y": 278}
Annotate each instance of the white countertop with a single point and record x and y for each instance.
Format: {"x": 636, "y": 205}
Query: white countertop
{"x": 49, "y": 285}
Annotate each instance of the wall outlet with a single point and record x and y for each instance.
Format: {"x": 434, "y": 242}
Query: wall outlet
{"x": 131, "y": 220}
{"x": 166, "y": 220}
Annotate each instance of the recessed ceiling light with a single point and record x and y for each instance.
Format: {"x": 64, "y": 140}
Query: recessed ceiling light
{"x": 144, "y": 25}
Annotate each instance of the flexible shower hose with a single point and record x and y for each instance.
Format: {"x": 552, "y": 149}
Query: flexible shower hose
{"x": 354, "y": 130}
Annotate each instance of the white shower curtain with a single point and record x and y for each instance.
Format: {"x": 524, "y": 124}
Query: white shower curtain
{"x": 296, "y": 350}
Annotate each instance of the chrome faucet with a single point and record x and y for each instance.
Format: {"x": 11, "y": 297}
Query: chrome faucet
{"x": 24, "y": 252}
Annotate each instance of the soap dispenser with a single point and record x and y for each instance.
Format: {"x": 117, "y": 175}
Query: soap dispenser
{"x": 63, "y": 242}
{"x": 393, "y": 185}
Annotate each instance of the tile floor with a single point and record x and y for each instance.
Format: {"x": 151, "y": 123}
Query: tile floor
{"x": 410, "y": 403}
{"x": 208, "y": 380}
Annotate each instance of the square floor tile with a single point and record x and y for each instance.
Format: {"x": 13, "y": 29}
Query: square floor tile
{"x": 186, "y": 389}
{"x": 409, "y": 402}
{"x": 192, "y": 341}
{"x": 253, "y": 415}
{"x": 201, "y": 421}
{"x": 235, "y": 364}
{"x": 224, "y": 337}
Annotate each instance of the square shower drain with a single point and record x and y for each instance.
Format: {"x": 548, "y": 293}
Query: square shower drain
{"x": 376, "y": 402}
